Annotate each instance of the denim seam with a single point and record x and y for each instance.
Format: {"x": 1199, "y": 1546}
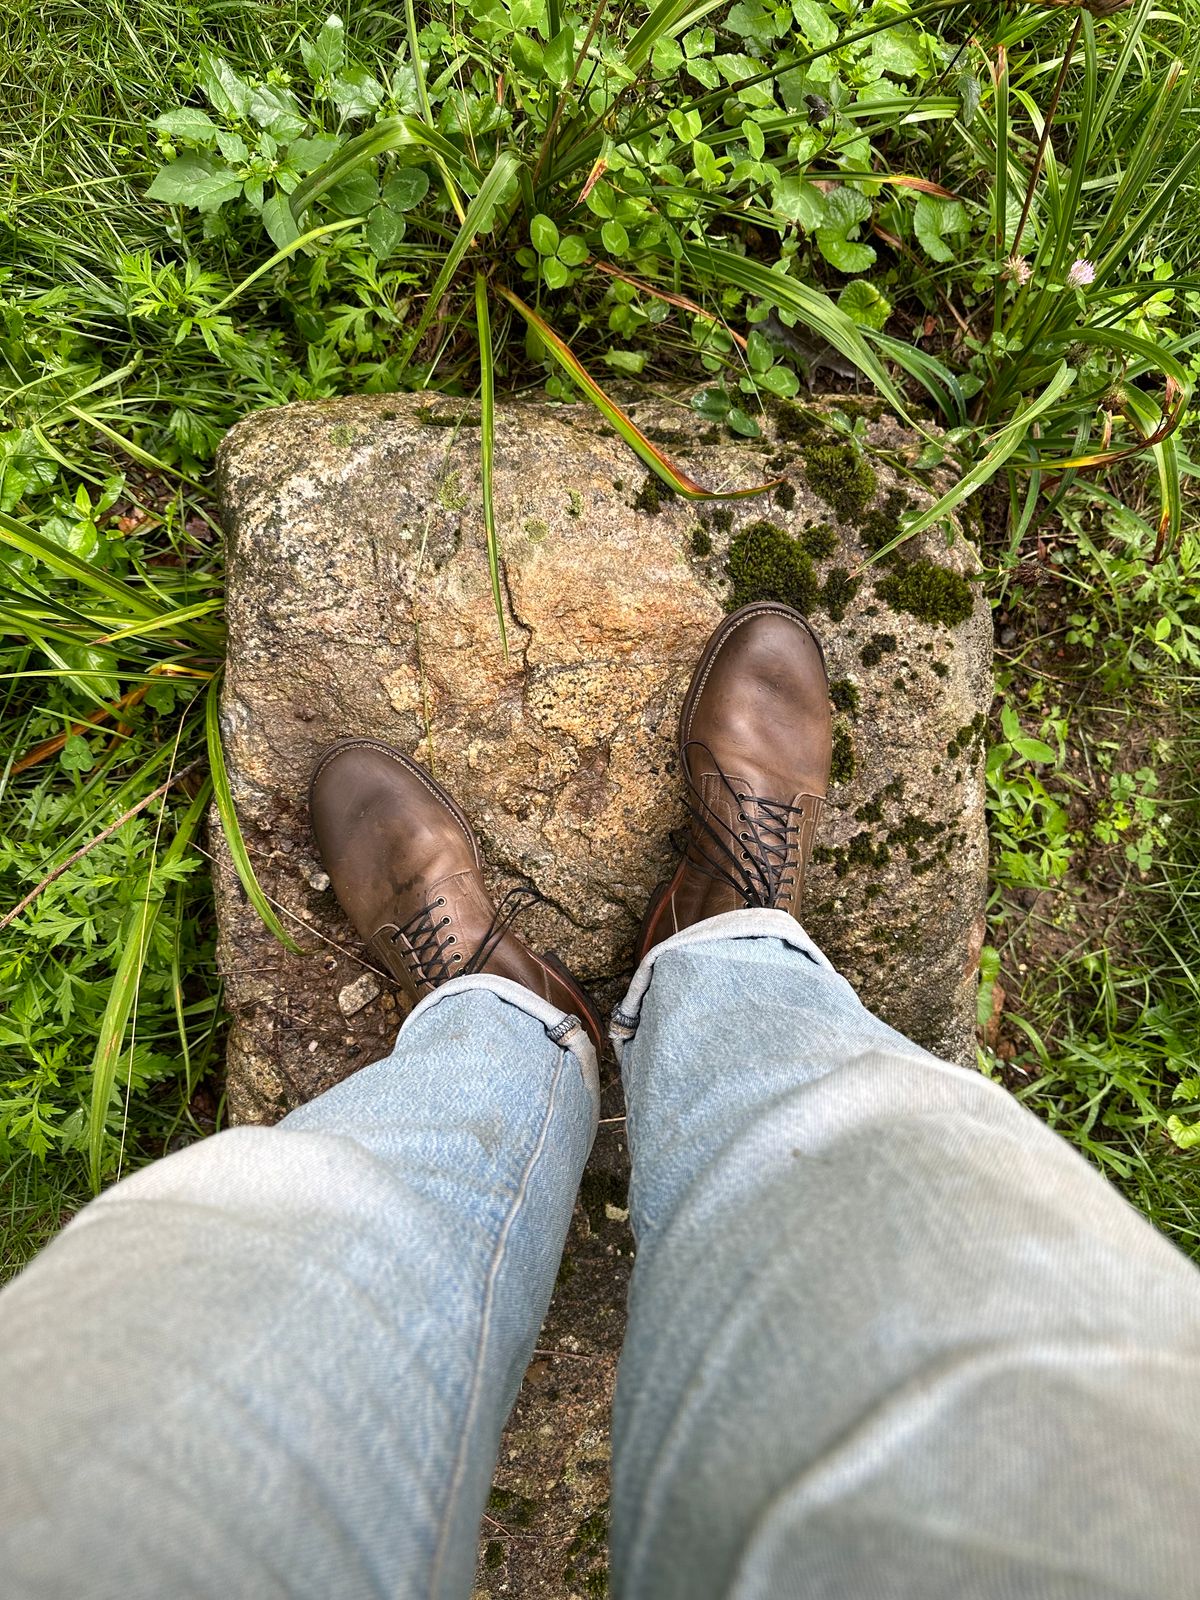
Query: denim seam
{"x": 476, "y": 1389}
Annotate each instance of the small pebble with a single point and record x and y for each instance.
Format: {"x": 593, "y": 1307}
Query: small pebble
{"x": 313, "y": 875}
{"x": 358, "y": 994}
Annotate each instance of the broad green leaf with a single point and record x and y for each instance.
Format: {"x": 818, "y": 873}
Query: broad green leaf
{"x": 232, "y": 147}
{"x": 527, "y": 55}
{"x": 898, "y": 52}
{"x": 666, "y": 58}
{"x": 751, "y": 19}
{"x": 355, "y": 92}
{"x": 844, "y": 254}
{"x": 558, "y": 57}
{"x": 187, "y": 123}
{"x": 759, "y": 353}
{"x": 324, "y": 55}
{"x": 556, "y": 273}
{"x": 543, "y": 235}
{"x": 306, "y": 155}
{"x": 384, "y": 231}
{"x": 355, "y": 194}
{"x": 799, "y": 201}
{"x": 197, "y": 181}
{"x": 228, "y": 94}
{"x": 279, "y": 222}
{"x": 76, "y": 755}
{"x": 406, "y": 188}
{"x": 629, "y": 362}
{"x": 933, "y": 220}
{"x": 865, "y": 304}
{"x": 779, "y": 380}
{"x": 814, "y": 22}
{"x": 845, "y": 211}
{"x": 1034, "y": 750}
{"x": 274, "y": 109}
{"x": 572, "y": 250}
{"x": 615, "y": 238}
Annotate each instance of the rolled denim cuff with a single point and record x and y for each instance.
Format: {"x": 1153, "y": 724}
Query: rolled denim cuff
{"x": 750, "y": 924}
{"x": 563, "y": 1028}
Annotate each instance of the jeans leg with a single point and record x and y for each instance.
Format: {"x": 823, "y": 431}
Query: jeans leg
{"x": 890, "y": 1338}
{"x": 278, "y": 1363}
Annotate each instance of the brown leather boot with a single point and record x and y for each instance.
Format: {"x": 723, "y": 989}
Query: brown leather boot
{"x": 407, "y": 872}
{"x": 755, "y": 735}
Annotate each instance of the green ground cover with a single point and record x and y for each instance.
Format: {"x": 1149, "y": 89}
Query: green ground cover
{"x": 212, "y": 207}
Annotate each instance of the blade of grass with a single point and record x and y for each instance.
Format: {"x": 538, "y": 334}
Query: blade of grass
{"x": 418, "y": 68}
{"x": 135, "y": 939}
{"x": 1004, "y": 443}
{"x": 227, "y": 811}
{"x": 633, "y": 436}
{"x": 310, "y": 237}
{"x": 487, "y": 414}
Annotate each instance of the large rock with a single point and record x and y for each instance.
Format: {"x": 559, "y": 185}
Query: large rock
{"x": 359, "y": 602}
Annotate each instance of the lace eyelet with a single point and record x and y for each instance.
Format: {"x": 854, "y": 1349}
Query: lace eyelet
{"x": 453, "y": 939}
{"x": 440, "y": 901}
{"x": 453, "y": 959}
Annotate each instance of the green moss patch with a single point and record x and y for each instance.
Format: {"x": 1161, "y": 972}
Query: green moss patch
{"x": 841, "y": 766}
{"x": 876, "y": 647}
{"x": 841, "y": 477}
{"x": 838, "y": 591}
{"x": 765, "y": 564}
{"x": 843, "y": 692}
{"x": 701, "y": 541}
{"x": 880, "y": 526}
{"x": 653, "y": 495}
{"x": 820, "y": 541}
{"x": 928, "y": 592}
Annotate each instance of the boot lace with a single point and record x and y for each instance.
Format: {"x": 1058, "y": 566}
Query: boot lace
{"x": 760, "y": 860}
{"x": 428, "y": 952}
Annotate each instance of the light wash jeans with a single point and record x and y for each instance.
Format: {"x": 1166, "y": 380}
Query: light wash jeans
{"x": 889, "y": 1336}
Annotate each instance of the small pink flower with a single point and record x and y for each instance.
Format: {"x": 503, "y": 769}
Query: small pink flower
{"x": 1081, "y": 274}
{"x": 1019, "y": 270}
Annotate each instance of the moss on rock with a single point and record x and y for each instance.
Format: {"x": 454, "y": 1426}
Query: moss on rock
{"x": 929, "y": 592}
{"x": 843, "y": 692}
{"x": 820, "y": 541}
{"x": 838, "y": 473}
{"x": 876, "y": 647}
{"x": 838, "y": 591}
{"x": 653, "y": 495}
{"x": 765, "y": 564}
{"x": 841, "y": 765}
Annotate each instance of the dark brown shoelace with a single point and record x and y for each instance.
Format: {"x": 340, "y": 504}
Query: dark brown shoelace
{"x": 428, "y": 950}
{"x": 760, "y": 862}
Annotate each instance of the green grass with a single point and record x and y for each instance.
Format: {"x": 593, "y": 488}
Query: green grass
{"x": 134, "y": 333}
